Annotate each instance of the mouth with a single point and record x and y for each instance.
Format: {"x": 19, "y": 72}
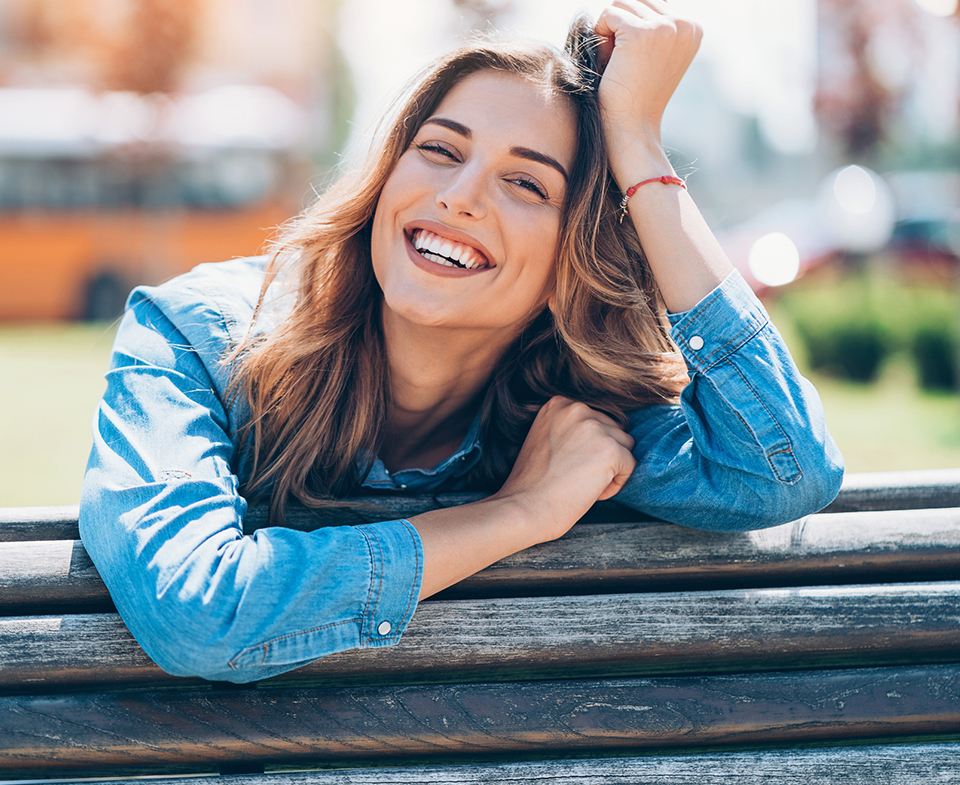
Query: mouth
{"x": 449, "y": 253}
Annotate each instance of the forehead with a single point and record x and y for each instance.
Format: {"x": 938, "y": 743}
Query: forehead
{"x": 515, "y": 110}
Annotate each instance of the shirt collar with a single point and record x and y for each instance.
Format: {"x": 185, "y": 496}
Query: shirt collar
{"x": 457, "y": 465}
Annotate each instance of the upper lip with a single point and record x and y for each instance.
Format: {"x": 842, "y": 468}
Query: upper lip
{"x": 451, "y": 234}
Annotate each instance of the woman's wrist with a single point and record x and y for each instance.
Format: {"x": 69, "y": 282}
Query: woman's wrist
{"x": 637, "y": 157}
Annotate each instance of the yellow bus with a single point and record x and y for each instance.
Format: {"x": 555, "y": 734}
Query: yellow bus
{"x": 85, "y": 216}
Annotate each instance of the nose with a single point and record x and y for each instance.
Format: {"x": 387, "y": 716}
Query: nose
{"x": 464, "y": 194}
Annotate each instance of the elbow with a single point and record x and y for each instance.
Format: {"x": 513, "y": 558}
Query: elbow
{"x": 815, "y": 488}
{"x": 753, "y": 503}
{"x": 819, "y": 485}
{"x": 821, "y": 479}
{"x": 182, "y": 642}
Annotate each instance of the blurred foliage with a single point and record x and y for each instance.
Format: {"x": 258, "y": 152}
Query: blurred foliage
{"x": 850, "y": 325}
{"x": 51, "y": 375}
{"x": 934, "y": 347}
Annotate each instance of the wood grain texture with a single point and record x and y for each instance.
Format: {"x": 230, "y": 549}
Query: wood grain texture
{"x": 57, "y": 576}
{"x": 898, "y": 490}
{"x": 21, "y": 524}
{"x": 49, "y": 574}
{"x": 902, "y": 490}
{"x": 73, "y": 732}
{"x": 906, "y": 764}
{"x": 511, "y": 639}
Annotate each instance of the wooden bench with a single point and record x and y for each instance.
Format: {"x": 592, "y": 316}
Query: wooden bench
{"x": 630, "y": 651}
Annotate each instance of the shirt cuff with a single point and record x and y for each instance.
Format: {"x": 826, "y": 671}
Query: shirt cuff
{"x": 719, "y": 324}
{"x": 396, "y": 554}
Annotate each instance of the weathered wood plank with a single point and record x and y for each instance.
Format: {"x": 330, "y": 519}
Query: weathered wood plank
{"x": 904, "y": 490}
{"x": 902, "y": 764}
{"x": 23, "y": 524}
{"x": 860, "y": 492}
{"x": 511, "y": 639}
{"x": 54, "y": 574}
{"x": 147, "y": 730}
{"x": 822, "y": 548}
{"x": 57, "y": 576}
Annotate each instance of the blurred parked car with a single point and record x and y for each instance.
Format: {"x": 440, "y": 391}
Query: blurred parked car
{"x": 912, "y": 218}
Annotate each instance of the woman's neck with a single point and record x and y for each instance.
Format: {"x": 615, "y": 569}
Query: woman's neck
{"x": 437, "y": 378}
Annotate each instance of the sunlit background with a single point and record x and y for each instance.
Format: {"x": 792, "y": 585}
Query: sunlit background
{"x": 139, "y": 138}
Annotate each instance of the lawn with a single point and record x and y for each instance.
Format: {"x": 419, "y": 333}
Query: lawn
{"x": 51, "y": 377}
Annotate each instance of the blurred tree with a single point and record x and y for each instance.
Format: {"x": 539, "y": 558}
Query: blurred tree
{"x": 869, "y": 53}
{"x": 138, "y": 45}
{"x": 149, "y": 52}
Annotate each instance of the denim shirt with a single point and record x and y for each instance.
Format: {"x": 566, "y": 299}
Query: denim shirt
{"x": 161, "y": 515}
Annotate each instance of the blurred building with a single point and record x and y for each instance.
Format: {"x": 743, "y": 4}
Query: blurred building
{"x": 139, "y": 138}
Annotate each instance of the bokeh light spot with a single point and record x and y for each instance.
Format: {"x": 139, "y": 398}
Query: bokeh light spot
{"x": 855, "y": 190}
{"x": 938, "y": 7}
{"x": 774, "y": 259}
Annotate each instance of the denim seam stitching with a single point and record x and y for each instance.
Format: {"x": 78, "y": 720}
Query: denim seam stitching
{"x": 267, "y": 644}
{"x": 372, "y": 603}
{"x": 748, "y": 331}
{"x": 410, "y": 600}
{"x": 788, "y": 450}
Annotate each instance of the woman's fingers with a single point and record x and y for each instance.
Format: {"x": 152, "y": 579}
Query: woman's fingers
{"x": 573, "y": 456}
{"x": 645, "y": 51}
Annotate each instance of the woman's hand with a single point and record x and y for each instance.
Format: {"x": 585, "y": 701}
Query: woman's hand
{"x": 646, "y": 50}
{"x": 572, "y": 457}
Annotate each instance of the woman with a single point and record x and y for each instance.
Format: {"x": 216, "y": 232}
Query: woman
{"x": 467, "y": 312}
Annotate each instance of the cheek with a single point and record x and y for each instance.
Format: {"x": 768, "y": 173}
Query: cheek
{"x": 542, "y": 246}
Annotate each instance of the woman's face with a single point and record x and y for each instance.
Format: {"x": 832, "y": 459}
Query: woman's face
{"x": 466, "y": 230}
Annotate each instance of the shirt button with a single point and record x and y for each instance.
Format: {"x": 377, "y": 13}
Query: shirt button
{"x": 696, "y": 343}
{"x": 384, "y": 628}
{"x": 403, "y": 487}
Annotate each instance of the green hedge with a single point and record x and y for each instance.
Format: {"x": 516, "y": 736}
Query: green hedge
{"x": 850, "y": 326}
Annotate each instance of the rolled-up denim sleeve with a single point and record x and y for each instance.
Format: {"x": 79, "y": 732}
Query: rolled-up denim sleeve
{"x": 747, "y": 446}
{"x": 161, "y": 517}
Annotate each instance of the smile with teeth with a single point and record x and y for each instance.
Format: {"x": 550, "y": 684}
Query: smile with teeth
{"x": 447, "y": 252}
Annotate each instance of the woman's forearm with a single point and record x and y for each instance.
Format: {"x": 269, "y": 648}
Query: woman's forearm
{"x": 684, "y": 256}
{"x": 648, "y": 50}
{"x": 460, "y": 541}
{"x": 572, "y": 456}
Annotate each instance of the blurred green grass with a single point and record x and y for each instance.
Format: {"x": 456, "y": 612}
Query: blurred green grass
{"x": 51, "y": 377}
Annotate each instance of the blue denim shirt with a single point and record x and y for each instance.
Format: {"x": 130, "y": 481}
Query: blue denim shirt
{"x": 161, "y": 516}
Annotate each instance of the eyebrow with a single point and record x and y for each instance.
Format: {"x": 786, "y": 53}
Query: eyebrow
{"x": 519, "y": 152}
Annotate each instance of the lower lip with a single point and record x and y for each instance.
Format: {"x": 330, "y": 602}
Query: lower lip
{"x": 439, "y": 269}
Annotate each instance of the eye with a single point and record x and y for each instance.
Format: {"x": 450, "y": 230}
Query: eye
{"x": 437, "y": 150}
{"x": 530, "y": 185}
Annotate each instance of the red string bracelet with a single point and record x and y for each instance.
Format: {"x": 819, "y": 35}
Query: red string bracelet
{"x": 666, "y": 180}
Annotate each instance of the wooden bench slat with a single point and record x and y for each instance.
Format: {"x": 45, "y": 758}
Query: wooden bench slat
{"x": 71, "y": 732}
{"x": 538, "y": 637}
{"x": 890, "y": 764}
{"x": 901, "y": 490}
{"x": 57, "y": 576}
{"x": 822, "y": 548}
{"x": 931, "y": 488}
{"x": 629, "y": 636}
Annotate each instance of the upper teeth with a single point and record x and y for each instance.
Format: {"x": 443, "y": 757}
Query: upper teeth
{"x": 447, "y": 252}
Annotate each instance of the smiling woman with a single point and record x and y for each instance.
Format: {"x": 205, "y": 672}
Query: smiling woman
{"x": 472, "y": 179}
{"x": 467, "y": 311}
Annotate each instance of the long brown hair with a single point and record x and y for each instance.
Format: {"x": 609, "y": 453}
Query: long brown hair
{"x": 317, "y": 384}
